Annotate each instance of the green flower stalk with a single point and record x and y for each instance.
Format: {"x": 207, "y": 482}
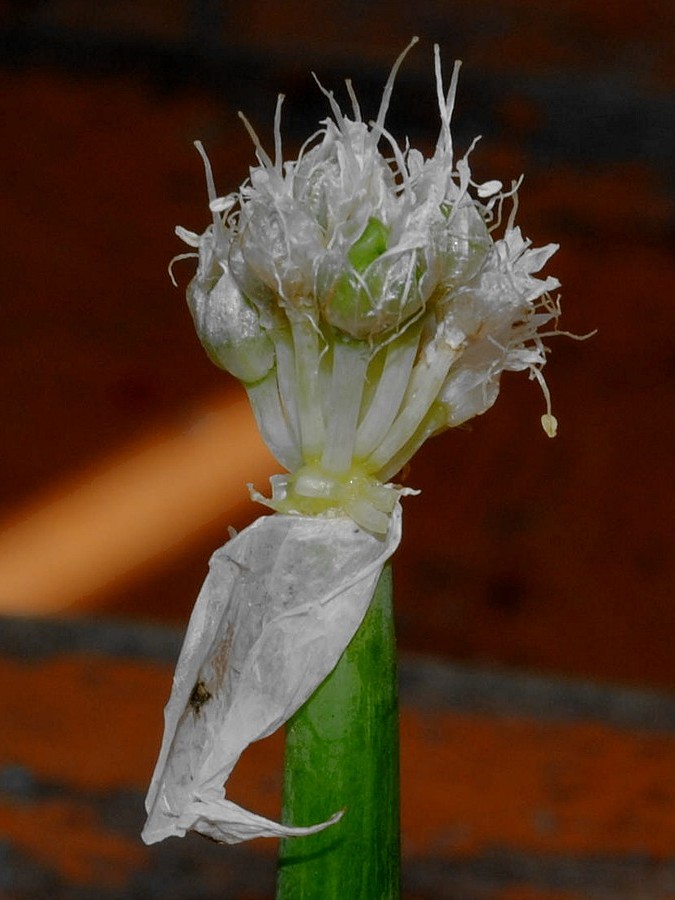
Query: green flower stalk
{"x": 342, "y": 753}
{"x": 367, "y": 298}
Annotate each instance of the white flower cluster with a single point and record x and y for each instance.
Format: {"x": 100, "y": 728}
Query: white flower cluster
{"x": 365, "y": 302}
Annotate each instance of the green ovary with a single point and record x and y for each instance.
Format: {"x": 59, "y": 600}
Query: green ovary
{"x": 371, "y": 244}
{"x": 350, "y": 306}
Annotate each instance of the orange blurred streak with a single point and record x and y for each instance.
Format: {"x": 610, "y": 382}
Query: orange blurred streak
{"x": 130, "y": 510}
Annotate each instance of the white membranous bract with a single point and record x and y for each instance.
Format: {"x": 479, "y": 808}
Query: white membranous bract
{"x": 360, "y": 294}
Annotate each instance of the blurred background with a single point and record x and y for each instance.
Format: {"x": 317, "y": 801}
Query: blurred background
{"x": 126, "y": 453}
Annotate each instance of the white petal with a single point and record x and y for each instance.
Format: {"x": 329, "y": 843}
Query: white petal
{"x": 281, "y": 602}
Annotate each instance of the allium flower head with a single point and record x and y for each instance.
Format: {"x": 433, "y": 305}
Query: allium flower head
{"x": 363, "y": 296}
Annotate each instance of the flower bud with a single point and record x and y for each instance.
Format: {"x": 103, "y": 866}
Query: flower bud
{"x": 379, "y": 292}
{"x": 278, "y": 243}
{"x": 461, "y": 244}
{"x": 229, "y": 329}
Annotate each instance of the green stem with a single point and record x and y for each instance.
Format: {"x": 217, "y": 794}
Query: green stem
{"x": 342, "y": 753}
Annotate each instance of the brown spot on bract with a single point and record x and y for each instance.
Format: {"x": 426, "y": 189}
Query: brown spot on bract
{"x": 199, "y": 696}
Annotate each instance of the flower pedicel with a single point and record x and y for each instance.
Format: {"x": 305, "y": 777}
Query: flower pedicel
{"x": 362, "y": 296}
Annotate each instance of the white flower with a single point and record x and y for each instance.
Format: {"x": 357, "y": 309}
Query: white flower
{"x": 365, "y": 303}
{"x": 362, "y": 296}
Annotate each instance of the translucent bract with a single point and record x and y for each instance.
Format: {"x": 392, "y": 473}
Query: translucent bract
{"x": 280, "y": 603}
